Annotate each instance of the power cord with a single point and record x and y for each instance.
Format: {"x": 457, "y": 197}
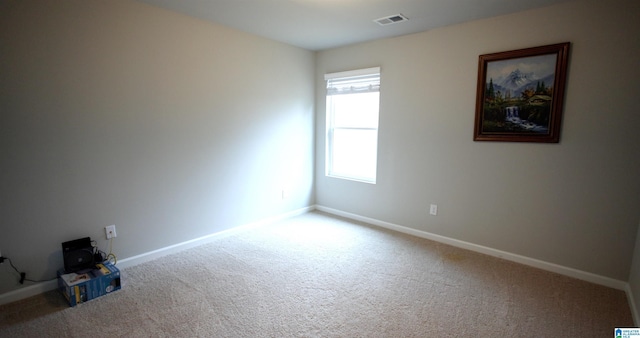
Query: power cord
{"x": 101, "y": 256}
{"x": 23, "y": 275}
{"x": 111, "y": 257}
{"x": 98, "y": 255}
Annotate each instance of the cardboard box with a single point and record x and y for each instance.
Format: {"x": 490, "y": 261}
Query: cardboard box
{"x": 86, "y": 285}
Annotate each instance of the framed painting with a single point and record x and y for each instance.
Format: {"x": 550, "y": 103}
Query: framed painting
{"x": 520, "y": 94}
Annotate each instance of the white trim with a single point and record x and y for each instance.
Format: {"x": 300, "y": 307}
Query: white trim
{"x": 28, "y": 291}
{"x": 151, "y": 255}
{"x": 632, "y": 305}
{"x": 350, "y": 73}
{"x": 42, "y": 287}
{"x": 563, "y": 270}
{"x": 39, "y": 288}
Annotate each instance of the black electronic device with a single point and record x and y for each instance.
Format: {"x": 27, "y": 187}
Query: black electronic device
{"x": 78, "y": 255}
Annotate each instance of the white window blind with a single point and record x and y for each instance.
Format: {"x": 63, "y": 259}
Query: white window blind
{"x": 351, "y": 82}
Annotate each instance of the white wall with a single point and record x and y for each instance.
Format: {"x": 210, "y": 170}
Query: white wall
{"x": 171, "y": 128}
{"x": 574, "y": 203}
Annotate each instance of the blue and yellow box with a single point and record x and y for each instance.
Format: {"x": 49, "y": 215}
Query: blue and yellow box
{"x": 83, "y": 286}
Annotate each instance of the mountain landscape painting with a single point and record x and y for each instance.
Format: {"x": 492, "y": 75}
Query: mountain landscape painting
{"x": 520, "y": 94}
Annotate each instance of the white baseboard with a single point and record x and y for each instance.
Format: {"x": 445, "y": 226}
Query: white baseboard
{"x": 35, "y": 289}
{"x": 563, "y": 270}
{"x": 632, "y": 305}
{"x": 151, "y": 255}
{"x": 28, "y": 291}
{"x": 42, "y": 287}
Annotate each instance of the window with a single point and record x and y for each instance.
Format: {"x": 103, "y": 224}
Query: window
{"x": 353, "y": 100}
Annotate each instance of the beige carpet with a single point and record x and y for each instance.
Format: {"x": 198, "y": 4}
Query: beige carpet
{"x": 320, "y": 276}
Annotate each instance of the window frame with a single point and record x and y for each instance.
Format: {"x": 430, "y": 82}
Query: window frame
{"x": 330, "y": 128}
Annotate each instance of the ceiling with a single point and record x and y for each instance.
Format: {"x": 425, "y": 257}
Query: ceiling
{"x": 324, "y": 24}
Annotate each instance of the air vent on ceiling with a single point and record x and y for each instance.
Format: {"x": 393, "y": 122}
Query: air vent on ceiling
{"x": 387, "y": 20}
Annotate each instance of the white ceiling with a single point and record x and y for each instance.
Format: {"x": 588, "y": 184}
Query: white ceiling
{"x": 323, "y": 24}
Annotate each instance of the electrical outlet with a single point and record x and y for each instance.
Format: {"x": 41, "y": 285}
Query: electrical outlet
{"x": 110, "y": 231}
{"x": 433, "y": 210}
